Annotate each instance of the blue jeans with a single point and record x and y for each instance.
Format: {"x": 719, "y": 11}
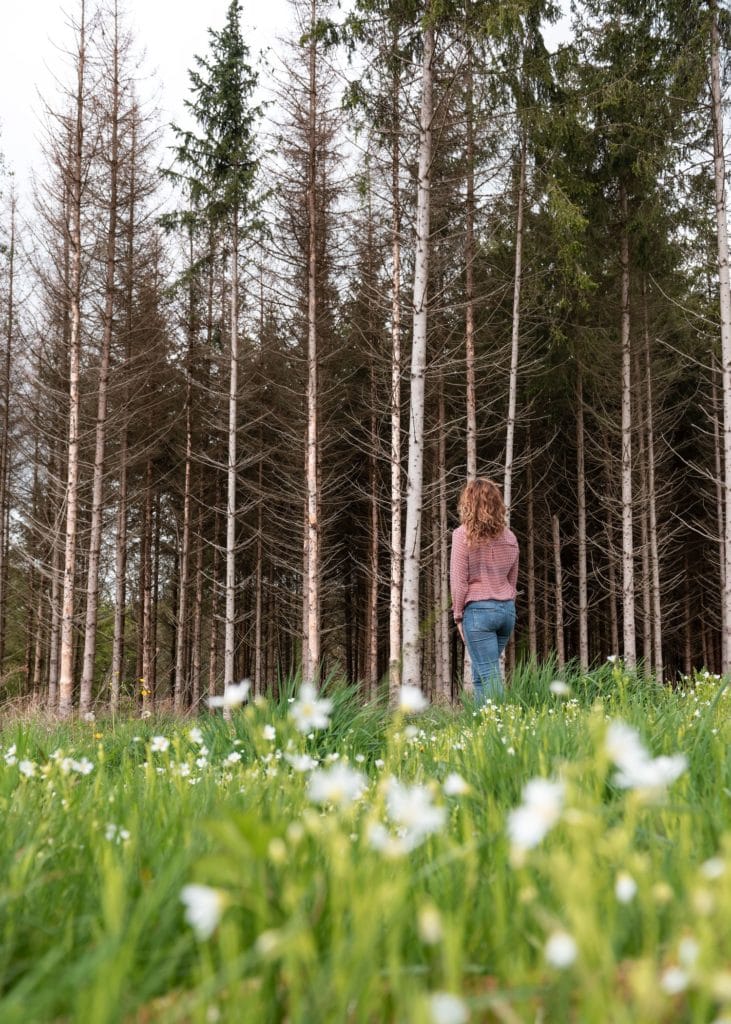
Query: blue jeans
{"x": 487, "y": 626}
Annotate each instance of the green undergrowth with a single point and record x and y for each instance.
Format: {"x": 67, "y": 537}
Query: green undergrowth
{"x": 405, "y": 893}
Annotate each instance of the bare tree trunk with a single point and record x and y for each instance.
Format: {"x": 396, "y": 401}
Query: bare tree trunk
{"x": 718, "y": 464}
{"x": 628, "y": 551}
{"x": 612, "y": 596}
{"x": 687, "y": 628}
{"x": 558, "y": 579}
{"x": 181, "y": 635}
{"x": 146, "y": 679}
{"x": 470, "y": 281}
{"x": 581, "y": 526}
{"x": 5, "y": 439}
{"x": 412, "y": 540}
{"x": 66, "y": 680}
{"x": 652, "y": 512}
{"x": 195, "y": 672}
{"x": 444, "y": 678}
{"x": 372, "y": 639}
{"x": 213, "y": 639}
{"x": 394, "y": 632}
{"x": 55, "y": 632}
{"x": 531, "y": 567}
{"x": 311, "y": 668}
{"x": 230, "y": 632}
{"x": 724, "y": 287}
{"x": 515, "y": 338}
{"x": 644, "y": 522}
{"x": 95, "y": 537}
{"x": 258, "y": 633}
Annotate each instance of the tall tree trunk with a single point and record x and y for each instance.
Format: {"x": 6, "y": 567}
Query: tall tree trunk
{"x": 644, "y": 522}
{"x": 5, "y": 438}
{"x": 372, "y": 640}
{"x": 444, "y": 677}
{"x": 95, "y": 537}
{"x": 196, "y": 654}
{"x": 411, "y": 660}
{"x": 718, "y": 465}
{"x": 724, "y": 287}
{"x": 230, "y": 634}
{"x": 469, "y": 256}
{"x": 311, "y": 668}
{"x": 652, "y": 513}
{"x": 66, "y": 680}
{"x": 628, "y": 551}
{"x": 531, "y": 565}
{"x": 120, "y": 544}
{"x": 515, "y": 336}
{"x": 146, "y": 679}
{"x": 181, "y": 635}
{"x": 581, "y": 525}
{"x": 394, "y": 628}
{"x": 558, "y": 583}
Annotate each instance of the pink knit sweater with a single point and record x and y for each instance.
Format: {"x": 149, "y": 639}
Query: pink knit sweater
{"x": 483, "y": 571}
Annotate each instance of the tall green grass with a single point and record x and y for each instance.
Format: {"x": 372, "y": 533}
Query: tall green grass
{"x": 320, "y": 924}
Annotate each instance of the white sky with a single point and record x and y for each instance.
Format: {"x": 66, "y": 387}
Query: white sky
{"x": 168, "y": 32}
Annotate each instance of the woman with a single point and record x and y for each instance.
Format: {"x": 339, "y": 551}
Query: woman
{"x": 484, "y": 572}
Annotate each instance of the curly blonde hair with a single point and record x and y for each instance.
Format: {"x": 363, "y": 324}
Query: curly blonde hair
{"x": 482, "y": 510}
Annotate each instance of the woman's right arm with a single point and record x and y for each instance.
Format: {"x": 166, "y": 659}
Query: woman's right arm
{"x": 458, "y": 574}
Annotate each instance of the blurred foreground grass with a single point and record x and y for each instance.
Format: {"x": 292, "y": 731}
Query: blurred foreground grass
{"x": 386, "y": 868}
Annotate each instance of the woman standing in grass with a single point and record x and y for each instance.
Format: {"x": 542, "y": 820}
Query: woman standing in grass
{"x": 484, "y": 572}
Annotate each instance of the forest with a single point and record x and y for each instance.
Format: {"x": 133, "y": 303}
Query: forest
{"x": 243, "y": 379}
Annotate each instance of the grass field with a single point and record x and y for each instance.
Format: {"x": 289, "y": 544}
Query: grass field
{"x": 385, "y": 867}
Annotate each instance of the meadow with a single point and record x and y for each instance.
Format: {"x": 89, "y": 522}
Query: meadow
{"x": 564, "y": 856}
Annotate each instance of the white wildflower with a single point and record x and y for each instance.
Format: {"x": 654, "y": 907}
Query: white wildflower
{"x": 445, "y": 1008}
{"x": 430, "y": 926}
{"x": 673, "y": 980}
{"x": 89, "y": 716}
{"x": 202, "y": 761}
{"x": 116, "y": 834}
{"x": 233, "y": 758}
{"x": 145, "y": 713}
{"x": 539, "y": 812}
{"x": 412, "y": 811}
{"x": 310, "y": 711}
{"x": 195, "y": 735}
{"x": 455, "y": 785}
{"x": 559, "y": 688}
{"x": 159, "y": 744}
{"x": 27, "y": 768}
{"x": 625, "y": 887}
{"x": 688, "y": 951}
{"x": 203, "y": 908}
{"x": 234, "y": 694}
{"x": 83, "y": 767}
{"x": 713, "y": 868}
{"x": 301, "y": 762}
{"x": 338, "y": 785}
{"x": 613, "y": 659}
{"x": 412, "y": 700}
{"x": 637, "y": 770}
{"x": 561, "y": 950}
{"x": 269, "y": 733}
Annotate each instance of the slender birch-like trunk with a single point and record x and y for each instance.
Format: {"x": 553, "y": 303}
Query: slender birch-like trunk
{"x": 195, "y": 658}
{"x": 718, "y": 466}
{"x": 120, "y": 544}
{"x": 652, "y": 513}
{"x": 181, "y": 636}
{"x": 581, "y": 525}
{"x": 213, "y": 638}
{"x": 146, "y": 679}
{"x": 469, "y": 258}
{"x": 444, "y": 676}
{"x": 5, "y": 439}
{"x": 628, "y": 551}
{"x": 411, "y": 661}
{"x": 230, "y": 629}
{"x": 311, "y": 667}
{"x": 372, "y": 637}
{"x": 531, "y": 566}
{"x": 394, "y": 631}
{"x": 515, "y": 336}
{"x": 724, "y": 287}
{"x": 258, "y": 610}
{"x": 558, "y": 583}
{"x": 95, "y": 536}
{"x": 66, "y": 678}
{"x": 647, "y": 631}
